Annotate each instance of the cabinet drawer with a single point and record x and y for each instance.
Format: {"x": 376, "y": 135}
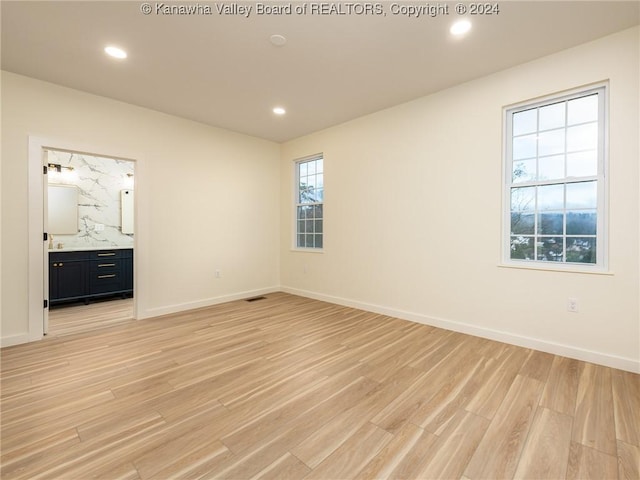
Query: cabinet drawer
{"x": 108, "y": 265}
{"x": 55, "y": 257}
{"x": 105, "y": 254}
{"x": 105, "y": 282}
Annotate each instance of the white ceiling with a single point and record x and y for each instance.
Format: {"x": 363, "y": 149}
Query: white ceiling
{"x": 223, "y": 71}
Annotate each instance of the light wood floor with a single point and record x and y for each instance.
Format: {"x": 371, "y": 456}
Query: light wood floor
{"x": 77, "y": 318}
{"x": 289, "y": 387}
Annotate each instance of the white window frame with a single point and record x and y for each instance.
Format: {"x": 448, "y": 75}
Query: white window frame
{"x": 296, "y": 203}
{"x": 602, "y": 247}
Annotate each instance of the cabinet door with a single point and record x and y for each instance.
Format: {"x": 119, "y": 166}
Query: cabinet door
{"x": 53, "y": 282}
{"x": 127, "y": 273}
{"x": 71, "y": 279}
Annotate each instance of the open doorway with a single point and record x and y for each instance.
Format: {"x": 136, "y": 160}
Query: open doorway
{"x": 89, "y": 219}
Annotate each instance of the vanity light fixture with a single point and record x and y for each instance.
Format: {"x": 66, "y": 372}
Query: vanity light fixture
{"x": 279, "y": 111}
{"x": 115, "y": 52}
{"x": 127, "y": 181}
{"x": 58, "y": 168}
{"x": 460, "y": 27}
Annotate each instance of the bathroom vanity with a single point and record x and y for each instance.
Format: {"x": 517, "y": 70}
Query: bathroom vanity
{"x": 88, "y": 274}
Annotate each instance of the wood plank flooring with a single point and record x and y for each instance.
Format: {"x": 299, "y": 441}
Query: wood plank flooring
{"x": 72, "y": 318}
{"x": 293, "y": 388}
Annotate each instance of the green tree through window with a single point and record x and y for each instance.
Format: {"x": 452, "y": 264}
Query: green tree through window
{"x": 310, "y": 203}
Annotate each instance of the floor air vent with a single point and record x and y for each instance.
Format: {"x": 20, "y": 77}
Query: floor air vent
{"x": 254, "y": 299}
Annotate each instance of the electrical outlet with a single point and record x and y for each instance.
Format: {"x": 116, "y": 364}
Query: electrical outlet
{"x": 99, "y": 227}
{"x": 218, "y": 274}
{"x": 572, "y": 305}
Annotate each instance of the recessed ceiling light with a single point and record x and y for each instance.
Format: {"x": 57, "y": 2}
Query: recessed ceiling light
{"x": 460, "y": 27}
{"x": 115, "y": 52}
{"x": 279, "y": 111}
{"x": 278, "y": 40}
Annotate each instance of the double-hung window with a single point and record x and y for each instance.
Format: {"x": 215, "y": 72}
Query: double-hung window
{"x": 555, "y": 181}
{"x": 309, "y": 203}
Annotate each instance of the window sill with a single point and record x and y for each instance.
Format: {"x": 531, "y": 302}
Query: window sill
{"x": 306, "y": 250}
{"x": 545, "y": 268}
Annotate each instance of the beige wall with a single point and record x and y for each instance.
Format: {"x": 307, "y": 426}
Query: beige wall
{"x": 207, "y": 198}
{"x": 413, "y": 207}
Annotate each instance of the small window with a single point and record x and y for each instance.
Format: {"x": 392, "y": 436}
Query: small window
{"x": 555, "y": 181}
{"x": 309, "y": 203}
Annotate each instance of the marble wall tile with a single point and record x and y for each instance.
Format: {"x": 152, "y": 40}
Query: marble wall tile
{"x": 100, "y": 181}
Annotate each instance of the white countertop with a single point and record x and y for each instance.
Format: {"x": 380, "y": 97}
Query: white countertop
{"x": 86, "y": 249}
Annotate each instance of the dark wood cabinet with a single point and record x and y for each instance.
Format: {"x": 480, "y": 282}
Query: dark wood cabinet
{"x": 67, "y": 279}
{"x": 83, "y": 275}
{"x": 127, "y": 270}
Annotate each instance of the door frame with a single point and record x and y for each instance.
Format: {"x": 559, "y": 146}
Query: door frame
{"x": 38, "y": 268}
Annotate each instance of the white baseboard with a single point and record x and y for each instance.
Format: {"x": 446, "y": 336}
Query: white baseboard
{"x": 14, "y": 340}
{"x": 207, "y": 302}
{"x": 628, "y": 364}
{"x": 157, "y": 312}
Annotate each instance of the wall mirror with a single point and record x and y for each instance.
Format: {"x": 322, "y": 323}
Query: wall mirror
{"x": 126, "y": 205}
{"x": 63, "y": 209}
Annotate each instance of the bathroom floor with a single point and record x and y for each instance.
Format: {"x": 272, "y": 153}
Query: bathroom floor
{"x": 80, "y": 318}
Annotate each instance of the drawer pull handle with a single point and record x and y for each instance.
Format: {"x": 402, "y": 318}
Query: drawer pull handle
{"x": 55, "y": 264}
{"x": 60, "y": 264}
{"x": 107, "y": 276}
{"x": 106, "y": 265}
{"x": 106, "y": 254}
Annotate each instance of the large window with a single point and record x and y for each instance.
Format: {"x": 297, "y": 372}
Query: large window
{"x": 309, "y": 202}
{"x": 555, "y": 181}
